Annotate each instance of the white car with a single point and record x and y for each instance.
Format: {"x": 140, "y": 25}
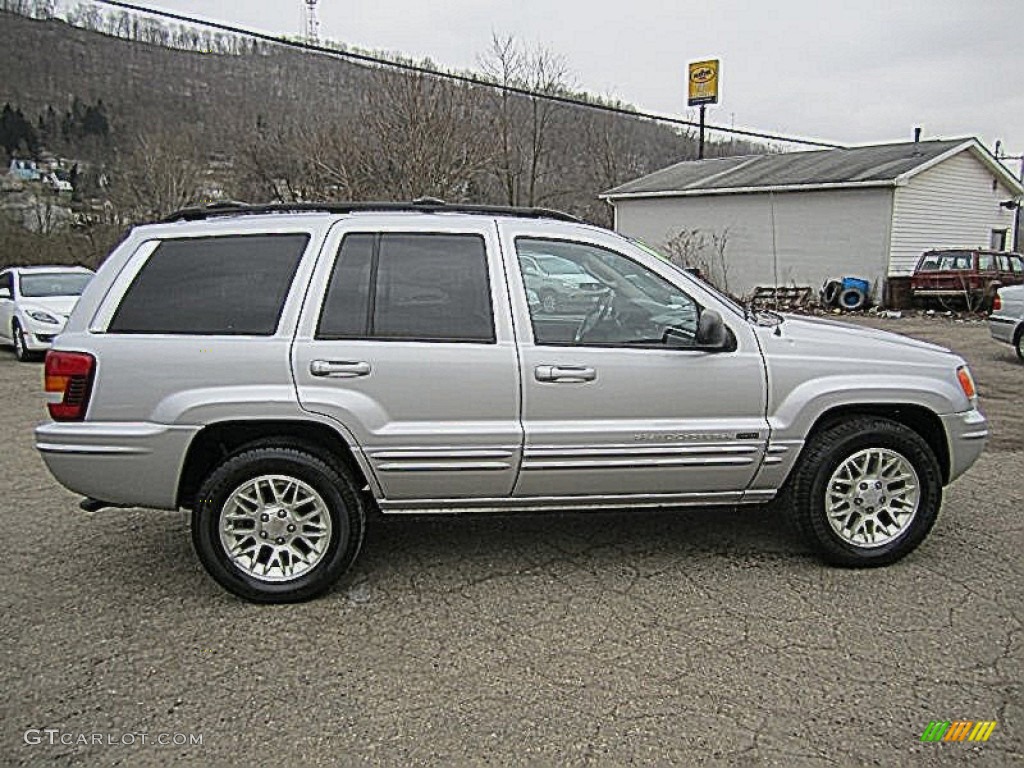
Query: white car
{"x": 1006, "y": 322}
{"x": 35, "y": 303}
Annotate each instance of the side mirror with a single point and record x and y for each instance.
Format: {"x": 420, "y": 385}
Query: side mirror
{"x": 5, "y": 293}
{"x": 712, "y": 335}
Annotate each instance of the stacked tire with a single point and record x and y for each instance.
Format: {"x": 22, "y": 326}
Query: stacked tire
{"x": 849, "y": 294}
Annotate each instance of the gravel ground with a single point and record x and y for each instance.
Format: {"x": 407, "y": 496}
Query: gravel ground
{"x": 692, "y": 637}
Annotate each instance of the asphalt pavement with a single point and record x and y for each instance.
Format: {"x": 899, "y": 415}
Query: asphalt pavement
{"x": 675, "y": 637}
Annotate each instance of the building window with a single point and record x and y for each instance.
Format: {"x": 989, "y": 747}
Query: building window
{"x": 998, "y": 239}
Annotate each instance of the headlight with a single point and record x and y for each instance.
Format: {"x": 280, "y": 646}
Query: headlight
{"x": 43, "y": 317}
{"x": 963, "y": 375}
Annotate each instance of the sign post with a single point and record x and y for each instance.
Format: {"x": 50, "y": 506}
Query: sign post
{"x": 702, "y": 89}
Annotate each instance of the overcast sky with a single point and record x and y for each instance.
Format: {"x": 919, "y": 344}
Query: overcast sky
{"x": 853, "y": 71}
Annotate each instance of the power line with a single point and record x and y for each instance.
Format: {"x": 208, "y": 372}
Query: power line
{"x": 457, "y": 77}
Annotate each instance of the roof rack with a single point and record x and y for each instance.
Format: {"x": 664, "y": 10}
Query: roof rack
{"x": 420, "y": 205}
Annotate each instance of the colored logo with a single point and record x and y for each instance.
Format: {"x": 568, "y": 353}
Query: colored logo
{"x": 958, "y": 730}
{"x": 702, "y": 75}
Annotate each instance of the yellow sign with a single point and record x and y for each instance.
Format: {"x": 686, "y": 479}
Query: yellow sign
{"x": 703, "y": 83}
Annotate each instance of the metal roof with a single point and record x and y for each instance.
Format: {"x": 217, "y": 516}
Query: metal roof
{"x": 878, "y": 165}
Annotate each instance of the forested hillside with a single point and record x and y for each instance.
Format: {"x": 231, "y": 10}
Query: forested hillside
{"x": 155, "y": 117}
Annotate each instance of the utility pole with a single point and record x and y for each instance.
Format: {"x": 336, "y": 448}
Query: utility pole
{"x": 1018, "y": 246}
{"x": 1016, "y": 214}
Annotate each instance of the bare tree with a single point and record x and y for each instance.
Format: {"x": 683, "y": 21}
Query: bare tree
{"x": 424, "y": 137}
{"x": 523, "y": 124}
{"x": 703, "y": 251}
{"x": 162, "y": 172}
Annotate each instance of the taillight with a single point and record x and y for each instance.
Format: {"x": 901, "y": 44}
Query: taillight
{"x": 68, "y": 383}
{"x": 997, "y": 303}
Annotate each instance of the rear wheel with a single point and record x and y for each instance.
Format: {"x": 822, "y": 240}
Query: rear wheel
{"x": 277, "y": 524}
{"x": 1019, "y": 344}
{"x": 866, "y": 492}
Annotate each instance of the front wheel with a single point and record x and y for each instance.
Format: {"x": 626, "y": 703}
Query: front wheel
{"x": 277, "y": 524}
{"x": 20, "y": 347}
{"x": 866, "y": 492}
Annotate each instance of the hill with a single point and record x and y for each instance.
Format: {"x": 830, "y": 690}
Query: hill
{"x": 179, "y": 114}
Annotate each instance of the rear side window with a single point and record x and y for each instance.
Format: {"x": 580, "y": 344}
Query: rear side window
{"x": 232, "y": 285}
{"x": 986, "y": 262}
{"x": 409, "y": 287}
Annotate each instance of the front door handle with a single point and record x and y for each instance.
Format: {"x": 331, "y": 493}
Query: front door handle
{"x": 564, "y": 374}
{"x": 339, "y": 369}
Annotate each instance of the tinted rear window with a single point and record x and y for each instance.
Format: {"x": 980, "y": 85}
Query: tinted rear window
{"x": 410, "y": 287}
{"x": 234, "y": 285}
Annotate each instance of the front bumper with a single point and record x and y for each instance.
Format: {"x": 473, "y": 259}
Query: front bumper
{"x": 1002, "y": 328}
{"x": 39, "y": 336}
{"x": 967, "y": 433}
{"x": 128, "y": 464}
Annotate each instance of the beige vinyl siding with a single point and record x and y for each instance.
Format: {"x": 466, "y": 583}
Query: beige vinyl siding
{"x": 819, "y": 234}
{"x": 951, "y": 205}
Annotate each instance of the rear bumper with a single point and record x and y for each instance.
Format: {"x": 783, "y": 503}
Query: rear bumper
{"x": 967, "y": 433}
{"x": 127, "y": 464}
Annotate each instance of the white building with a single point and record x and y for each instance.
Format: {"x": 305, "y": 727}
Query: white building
{"x": 802, "y": 217}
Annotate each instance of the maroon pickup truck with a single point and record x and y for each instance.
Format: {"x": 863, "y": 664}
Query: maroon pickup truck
{"x": 965, "y": 278}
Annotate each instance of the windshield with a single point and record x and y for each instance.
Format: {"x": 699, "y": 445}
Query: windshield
{"x": 734, "y": 305}
{"x": 44, "y": 284}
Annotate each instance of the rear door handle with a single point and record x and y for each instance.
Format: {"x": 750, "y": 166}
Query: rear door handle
{"x": 339, "y": 369}
{"x": 564, "y": 374}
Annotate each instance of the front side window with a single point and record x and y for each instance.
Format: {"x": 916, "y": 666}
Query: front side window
{"x": 597, "y": 297}
{"x": 986, "y": 262}
{"x": 227, "y": 285}
{"x": 409, "y": 287}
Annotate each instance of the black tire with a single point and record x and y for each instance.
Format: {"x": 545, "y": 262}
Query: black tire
{"x": 830, "y": 293}
{"x": 18, "y": 339}
{"x": 852, "y": 299}
{"x": 1019, "y": 344}
{"x": 335, "y": 487}
{"x": 824, "y": 453}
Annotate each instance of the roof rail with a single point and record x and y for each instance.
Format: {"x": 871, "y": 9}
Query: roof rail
{"x": 420, "y": 205}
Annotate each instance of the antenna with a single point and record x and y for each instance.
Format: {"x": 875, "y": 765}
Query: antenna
{"x": 312, "y": 22}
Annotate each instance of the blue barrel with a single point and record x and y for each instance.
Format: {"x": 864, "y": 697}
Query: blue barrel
{"x": 864, "y": 286}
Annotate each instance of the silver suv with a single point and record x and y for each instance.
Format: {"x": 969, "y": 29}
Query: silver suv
{"x": 283, "y": 370}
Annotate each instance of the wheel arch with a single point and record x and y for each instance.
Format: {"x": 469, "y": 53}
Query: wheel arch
{"x": 925, "y": 422}
{"x": 219, "y": 440}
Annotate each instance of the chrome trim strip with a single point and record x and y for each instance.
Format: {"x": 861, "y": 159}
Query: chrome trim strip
{"x": 638, "y": 463}
{"x": 400, "y": 454}
{"x": 443, "y": 466}
{"x": 552, "y": 503}
{"x": 93, "y": 450}
{"x": 572, "y": 451}
{"x": 980, "y": 435}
